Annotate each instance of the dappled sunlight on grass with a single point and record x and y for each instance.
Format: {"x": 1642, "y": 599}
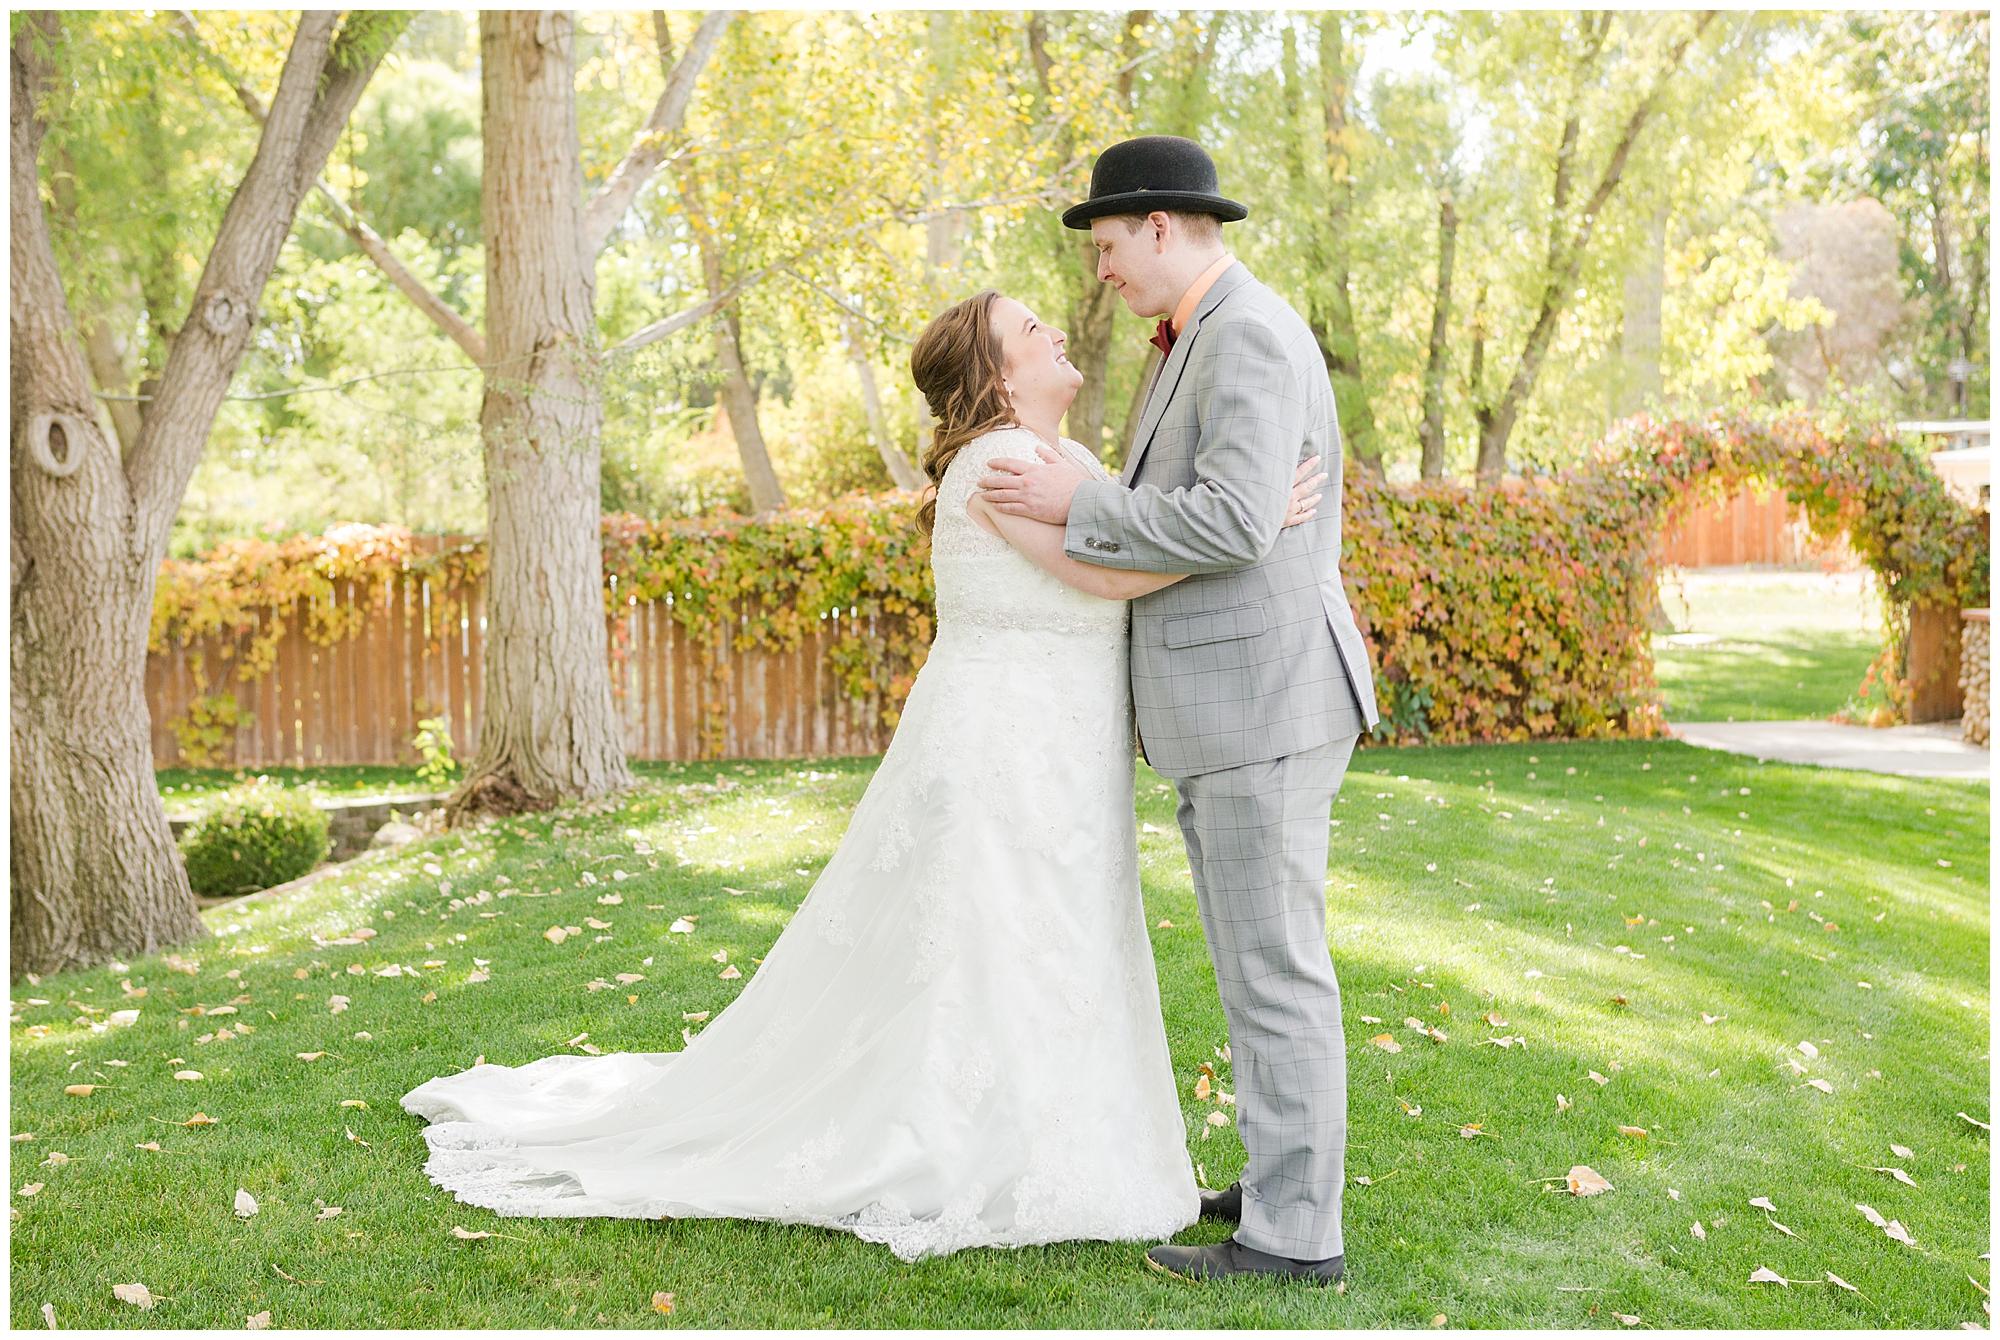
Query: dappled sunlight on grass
{"x": 1474, "y": 1226}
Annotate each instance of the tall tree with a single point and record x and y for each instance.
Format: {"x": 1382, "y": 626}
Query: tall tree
{"x": 1572, "y": 227}
{"x": 1331, "y": 313}
{"x": 549, "y": 726}
{"x": 1093, "y": 307}
{"x": 93, "y": 868}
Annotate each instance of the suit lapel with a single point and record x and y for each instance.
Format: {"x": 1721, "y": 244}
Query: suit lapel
{"x": 1169, "y": 378}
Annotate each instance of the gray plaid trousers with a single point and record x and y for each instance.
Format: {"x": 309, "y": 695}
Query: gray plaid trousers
{"x": 1256, "y": 840}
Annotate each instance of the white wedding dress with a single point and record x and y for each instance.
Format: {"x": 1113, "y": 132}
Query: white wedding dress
{"x": 957, "y": 1041}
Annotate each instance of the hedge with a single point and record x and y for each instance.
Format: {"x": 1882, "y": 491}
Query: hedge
{"x": 1508, "y": 614}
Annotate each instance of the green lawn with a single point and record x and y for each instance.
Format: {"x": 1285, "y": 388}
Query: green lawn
{"x": 1464, "y": 881}
{"x": 180, "y": 788}
{"x": 1764, "y": 646}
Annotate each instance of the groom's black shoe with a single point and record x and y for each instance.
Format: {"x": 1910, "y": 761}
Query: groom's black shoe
{"x": 1222, "y": 1260}
{"x": 1226, "y": 1204}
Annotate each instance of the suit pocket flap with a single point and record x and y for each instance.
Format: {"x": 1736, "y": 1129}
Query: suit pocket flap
{"x": 1192, "y": 630}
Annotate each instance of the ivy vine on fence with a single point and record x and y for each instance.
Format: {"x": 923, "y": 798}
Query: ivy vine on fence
{"x": 1513, "y": 613}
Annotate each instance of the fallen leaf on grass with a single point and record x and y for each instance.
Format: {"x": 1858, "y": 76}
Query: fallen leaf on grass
{"x": 83, "y": 1090}
{"x": 55, "y": 1159}
{"x": 1218, "y": 1118}
{"x": 246, "y": 1204}
{"x": 478, "y": 975}
{"x": 1700, "y": 1233}
{"x": 1975, "y": 1121}
{"x": 1386, "y": 1043}
{"x": 309, "y": 1056}
{"x": 1435, "y": 1035}
{"x": 612, "y": 899}
{"x": 681, "y": 926}
{"x": 336, "y": 1004}
{"x": 1869, "y": 1213}
{"x": 1600, "y": 1080}
{"x": 734, "y": 893}
{"x": 187, "y": 1074}
{"x": 136, "y": 1294}
{"x": 467, "y": 1235}
{"x": 1563, "y": 1104}
{"x": 700, "y": 1018}
{"x": 260, "y": 1322}
{"x": 663, "y": 1303}
{"x": 1895, "y": 1229}
{"x": 1625, "y": 1319}
{"x": 1832, "y": 1278}
{"x": 1819, "y": 1084}
{"x": 1493, "y": 1017}
{"x": 33, "y": 1188}
{"x": 1201, "y": 1088}
{"x": 1902, "y": 1151}
{"x": 1896, "y": 1173}
{"x": 1766, "y": 1275}
{"x": 357, "y": 1102}
{"x": 1502, "y": 1042}
{"x": 151, "y": 1145}
{"x": 1369, "y": 1019}
{"x": 1584, "y": 1181}
{"x": 1708, "y": 1018}
{"x": 1809, "y": 1051}
{"x": 1780, "y": 1227}
{"x": 1636, "y": 1132}
{"x": 201, "y": 1119}
{"x": 355, "y": 1138}
{"x": 719, "y": 956}
{"x": 1410, "y": 1109}
{"x": 630, "y": 977}
{"x": 596, "y": 925}
{"x": 329, "y": 1212}
{"x": 1977, "y": 1285}
{"x": 729, "y": 974}
{"x": 1472, "y": 1131}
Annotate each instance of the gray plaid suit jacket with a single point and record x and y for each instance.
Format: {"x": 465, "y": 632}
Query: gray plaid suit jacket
{"x": 1256, "y": 655}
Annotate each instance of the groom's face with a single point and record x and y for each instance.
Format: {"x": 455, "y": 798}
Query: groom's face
{"x": 1135, "y": 262}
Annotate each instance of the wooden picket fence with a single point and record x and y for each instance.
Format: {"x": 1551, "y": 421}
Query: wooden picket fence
{"x": 420, "y": 654}
{"x": 1747, "y": 528}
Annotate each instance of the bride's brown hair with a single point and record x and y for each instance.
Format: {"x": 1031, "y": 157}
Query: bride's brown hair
{"x": 958, "y": 365}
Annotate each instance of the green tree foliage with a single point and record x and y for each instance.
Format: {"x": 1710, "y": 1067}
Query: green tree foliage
{"x": 853, "y": 173}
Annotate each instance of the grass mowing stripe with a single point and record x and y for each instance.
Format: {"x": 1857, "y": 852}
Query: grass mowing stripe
{"x": 1535, "y": 874}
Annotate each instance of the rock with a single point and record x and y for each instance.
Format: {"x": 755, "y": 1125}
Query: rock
{"x": 395, "y": 833}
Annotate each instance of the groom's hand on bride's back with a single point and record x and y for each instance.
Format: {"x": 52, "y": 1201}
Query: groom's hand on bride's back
{"x": 1039, "y": 489}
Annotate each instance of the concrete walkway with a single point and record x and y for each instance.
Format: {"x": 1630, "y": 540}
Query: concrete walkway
{"x": 1906, "y": 751}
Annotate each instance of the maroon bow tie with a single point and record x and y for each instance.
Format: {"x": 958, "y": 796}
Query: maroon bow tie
{"x": 1163, "y": 337}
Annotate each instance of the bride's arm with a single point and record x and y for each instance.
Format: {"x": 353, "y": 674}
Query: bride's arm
{"x": 1042, "y": 543}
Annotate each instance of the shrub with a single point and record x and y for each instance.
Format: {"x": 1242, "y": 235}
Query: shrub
{"x": 252, "y": 837}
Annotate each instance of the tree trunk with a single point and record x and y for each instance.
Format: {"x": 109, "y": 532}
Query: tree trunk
{"x": 1431, "y": 434}
{"x": 737, "y": 393}
{"x": 1568, "y": 243}
{"x": 1333, "y": 321}
{"x": 1639, "y": 332}
{"x": 550, "y": 726}
{"x": 901, "y": 471}
{"x": 93, "y": 866}
{"x": 1092, "y": 318}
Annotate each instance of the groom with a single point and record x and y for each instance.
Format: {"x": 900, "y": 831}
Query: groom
{"x": 1250, "y": 680}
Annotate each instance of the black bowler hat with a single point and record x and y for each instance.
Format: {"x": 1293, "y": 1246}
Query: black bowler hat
{"x": 1149, "y": 173}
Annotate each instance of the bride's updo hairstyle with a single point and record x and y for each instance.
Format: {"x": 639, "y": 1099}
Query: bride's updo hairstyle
{"x": 958, "y": 365}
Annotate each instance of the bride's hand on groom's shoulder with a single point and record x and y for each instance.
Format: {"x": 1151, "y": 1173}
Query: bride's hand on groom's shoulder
{"x": 1040, "y": 489}
{"x": 1305, "y": 495}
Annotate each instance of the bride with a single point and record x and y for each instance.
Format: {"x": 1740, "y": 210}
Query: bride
{"x": 957, "y": 1041}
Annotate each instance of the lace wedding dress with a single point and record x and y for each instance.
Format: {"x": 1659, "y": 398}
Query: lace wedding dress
{"x": 957, "y": 1041}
